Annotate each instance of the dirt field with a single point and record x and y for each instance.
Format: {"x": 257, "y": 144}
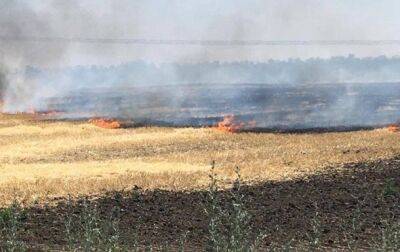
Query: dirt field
{"x": 43, "y": 160}
{"x": 158, "y": 176}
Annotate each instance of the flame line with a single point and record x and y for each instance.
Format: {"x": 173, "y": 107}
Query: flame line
{"x": 201, "y": 42}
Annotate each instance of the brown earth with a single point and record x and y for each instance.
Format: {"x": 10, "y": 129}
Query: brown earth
{"x": 159, "y": 176}
{"x": 366, "y": 194}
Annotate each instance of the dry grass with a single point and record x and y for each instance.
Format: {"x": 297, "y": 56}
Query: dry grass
{"x": 41, "y": 160}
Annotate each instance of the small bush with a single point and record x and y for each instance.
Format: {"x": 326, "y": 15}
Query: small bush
{"x": 390, "y": 188}
{"x": 390, "y": 237}
{"x": 229, "y": 229}
{"x": 89, "y": 232}
{"x": 10, "y": 224}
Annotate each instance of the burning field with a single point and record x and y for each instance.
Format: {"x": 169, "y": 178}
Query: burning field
{"x": 313, "y": 151}
{"x": 257, "y": 106}
{"x": 44, "y": 162}
{"x": 53, "y": 158}
{"x": 218, "y": 126}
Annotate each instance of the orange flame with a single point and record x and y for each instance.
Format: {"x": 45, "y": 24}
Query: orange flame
{"x": 105, "y": 123}
{"x": 393, "y": 128}
{"x": 231, "y": 124}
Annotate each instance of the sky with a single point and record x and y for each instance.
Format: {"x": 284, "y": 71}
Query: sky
{"x": 192, "y": 19}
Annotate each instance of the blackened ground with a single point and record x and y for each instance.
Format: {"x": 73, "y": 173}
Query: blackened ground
{"x": 280, "y": 106}
{"x": 351, "y": 203}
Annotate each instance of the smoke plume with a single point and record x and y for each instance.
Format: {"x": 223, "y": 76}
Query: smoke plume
{"x": 18, "y": 19}
{"x": 54, "y": 51}
{"x": 2, "y": 83}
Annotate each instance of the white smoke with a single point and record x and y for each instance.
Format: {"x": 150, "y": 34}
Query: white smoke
{"x": 22, "y": 20}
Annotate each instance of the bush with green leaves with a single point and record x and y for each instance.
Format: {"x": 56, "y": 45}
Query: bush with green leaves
{"x": 10, "y": 228}
{"x": 89, "y": 232}
{"x": 229, "y": 229}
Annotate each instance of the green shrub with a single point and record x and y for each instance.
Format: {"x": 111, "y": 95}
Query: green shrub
{"x": 10, "y": 224}
{"x": 89, "y": 232}
{"x": 390, "y": 236}
{"x": 229, "y": 229}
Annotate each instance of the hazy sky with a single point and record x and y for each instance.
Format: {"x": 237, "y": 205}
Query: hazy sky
{"x": 194, "y": 19}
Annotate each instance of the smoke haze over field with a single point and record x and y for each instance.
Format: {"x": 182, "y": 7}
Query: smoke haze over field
{"x": 191, "y": 20}
{"x": 54, "y": 48}
{"x": 2, "y": 83}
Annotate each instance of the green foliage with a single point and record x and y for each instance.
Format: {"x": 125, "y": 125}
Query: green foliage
{"x": 390, "y": 188}
{"x": 214, "y": 213}
{"x": 229, "y": 229}
{"x": 315, "y": 234}
{"x": 10, "y": 224}
{"x": 355, "y": 228}
{"x": 390, "y": 238}
{"x": 89, "y": 232}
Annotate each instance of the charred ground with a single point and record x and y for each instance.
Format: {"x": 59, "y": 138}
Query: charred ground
{"x": 283, "y": 106}
{"x": 340, "y": 188}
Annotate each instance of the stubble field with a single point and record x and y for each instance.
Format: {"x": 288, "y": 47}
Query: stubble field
{"x": 44, "y": 163}
{"x": 40, "y": 160}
